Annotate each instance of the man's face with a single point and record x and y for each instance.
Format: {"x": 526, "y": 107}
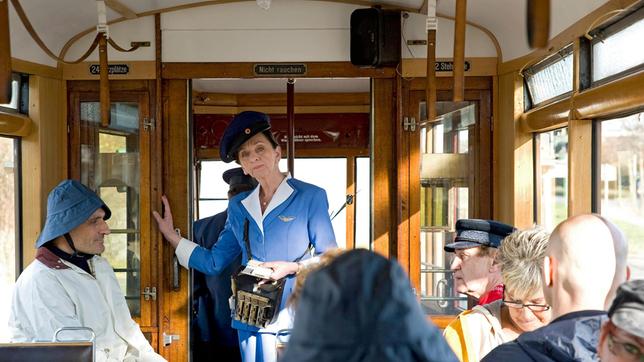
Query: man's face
{"x": 88, "y": 236}
{"x": 471, "y": 271}
{"x": 616, "y": 345}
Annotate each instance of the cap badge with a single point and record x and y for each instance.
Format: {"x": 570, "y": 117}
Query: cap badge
{"x": 247, "y": 131}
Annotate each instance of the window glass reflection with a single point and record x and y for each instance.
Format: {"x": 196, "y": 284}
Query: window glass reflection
{"x": 552, "y": 177}
{"x": 620, "y": 186}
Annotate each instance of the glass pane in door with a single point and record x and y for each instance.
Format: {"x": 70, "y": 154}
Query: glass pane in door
{"x": 444, "y": 194}
{"x": 110, "y": 166}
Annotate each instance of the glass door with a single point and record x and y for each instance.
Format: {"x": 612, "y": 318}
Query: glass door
{"x": 455, "y": 153}
{"x": 114, "y": 161}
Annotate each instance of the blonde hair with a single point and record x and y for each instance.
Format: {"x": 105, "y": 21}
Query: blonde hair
{"x": 325, "y": 259}
{"x": 521, "y": 257}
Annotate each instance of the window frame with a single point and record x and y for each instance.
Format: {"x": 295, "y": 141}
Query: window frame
{"x": 530, "y": 71}
{"x": 600, "y": 34}
{"x": 18, "y": 247}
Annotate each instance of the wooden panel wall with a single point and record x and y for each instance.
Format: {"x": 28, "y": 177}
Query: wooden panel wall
{"x": 383, "y": 169}
{"x": 580, "y": 134}
{"x": 512, "y": 161}
{"x": 174, "y": 304}
{"x": 44, "y": 156}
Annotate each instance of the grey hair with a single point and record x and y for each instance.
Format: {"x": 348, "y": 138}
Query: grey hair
{"x": 521, "y": 257}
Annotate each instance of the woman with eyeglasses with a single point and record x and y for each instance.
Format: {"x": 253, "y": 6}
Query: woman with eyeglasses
{"x": 474, "y": 333}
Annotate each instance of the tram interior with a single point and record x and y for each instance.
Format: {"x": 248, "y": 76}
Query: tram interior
{"x": 542, "y": 123}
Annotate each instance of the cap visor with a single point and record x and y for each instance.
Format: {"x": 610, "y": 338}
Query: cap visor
{"x": 631, "y": 320}
{"x": 460, "y": 245}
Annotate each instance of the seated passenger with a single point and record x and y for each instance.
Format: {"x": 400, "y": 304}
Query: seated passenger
{"x": 578, "y": 275}
{"x": 475, "y": 270}
{"x": 622, "y": 336}
{"x": 361, "y": 307}
{"x": 476, "y": 332}
{"x": 69, "y": 285}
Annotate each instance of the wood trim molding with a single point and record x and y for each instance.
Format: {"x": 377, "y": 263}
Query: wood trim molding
{"x": 193, "y": 70}
{"x": 27, "y": 67}
{"x": 280, "y": 109}
{"x": 481, "y": 66}
{"x": 383, "y": 168}
{"x": 142, "y": 69}
{"x": 580, "y": 144}
{"x": 512, "y": 157}
{"x": 44, "y": 156}
{"x": 15, "y": 124}
{"x": 279, "y": 99}
{"x": 174, "y": 306}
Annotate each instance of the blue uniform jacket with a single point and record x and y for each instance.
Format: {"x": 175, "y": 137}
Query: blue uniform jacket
{"x": 571, "y": 337}
{"x": 211, "y": 292}
{"x": 297, "y": 215}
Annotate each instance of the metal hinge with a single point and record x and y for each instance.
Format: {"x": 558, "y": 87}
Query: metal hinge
{"x": 148, "y": 124}
{"x": 169, "y": 338}
{"x": 409, "y": 124}
{"x": 150, "y": 293}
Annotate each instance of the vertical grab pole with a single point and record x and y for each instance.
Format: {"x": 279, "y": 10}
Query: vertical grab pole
{"x": 290, "y": 114}
{"x": 459, "y": 50}
{"x": 538, "y": 20}
{"x": 104, "y": 81}
{"x": 430, "y": 87}
{"x": 5, "y": 53}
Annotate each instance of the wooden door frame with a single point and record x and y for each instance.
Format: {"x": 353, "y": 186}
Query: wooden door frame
{"x": 143, "y": 93}
{"x": 477, "y": 89}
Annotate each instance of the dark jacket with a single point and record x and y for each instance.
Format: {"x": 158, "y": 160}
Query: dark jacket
{"x": 361, "y": 308}
{"x": 211, "y": 311}
{"x": 571, "y": 337}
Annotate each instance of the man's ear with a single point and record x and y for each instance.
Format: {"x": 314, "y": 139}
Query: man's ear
{"x": 495, "y": 266}
{"x": 547, "y": 271}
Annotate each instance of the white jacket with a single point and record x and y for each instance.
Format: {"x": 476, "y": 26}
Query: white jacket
{"x": 52, "y": 293}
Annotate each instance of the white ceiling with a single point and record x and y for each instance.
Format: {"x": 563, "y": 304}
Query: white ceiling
{"x": 56, "y": 21}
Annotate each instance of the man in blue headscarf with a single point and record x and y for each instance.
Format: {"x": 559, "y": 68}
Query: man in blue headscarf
{"x": 70, "y": 285}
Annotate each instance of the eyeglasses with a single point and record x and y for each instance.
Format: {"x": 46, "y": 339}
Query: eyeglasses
{"x": 624, "y": 349}
{"x": 520, "y": 305}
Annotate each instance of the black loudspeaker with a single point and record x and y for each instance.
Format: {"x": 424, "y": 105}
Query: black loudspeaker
{"x": 375, "y": 37}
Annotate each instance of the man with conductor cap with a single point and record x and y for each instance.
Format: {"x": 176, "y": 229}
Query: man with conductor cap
{"x": 211, "y": 330}
{"x": 622, "y": 335}
{"x": 475, "y": 246}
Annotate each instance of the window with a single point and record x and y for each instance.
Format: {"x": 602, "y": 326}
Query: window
{"x": 550, "y": 79}
{"x": 10, "y": 258}
{"x": 614, "y": 49}
{"x": 551, "y": 183}
{"x": 213, "y": 191}
{"x": 620, "y": 182}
